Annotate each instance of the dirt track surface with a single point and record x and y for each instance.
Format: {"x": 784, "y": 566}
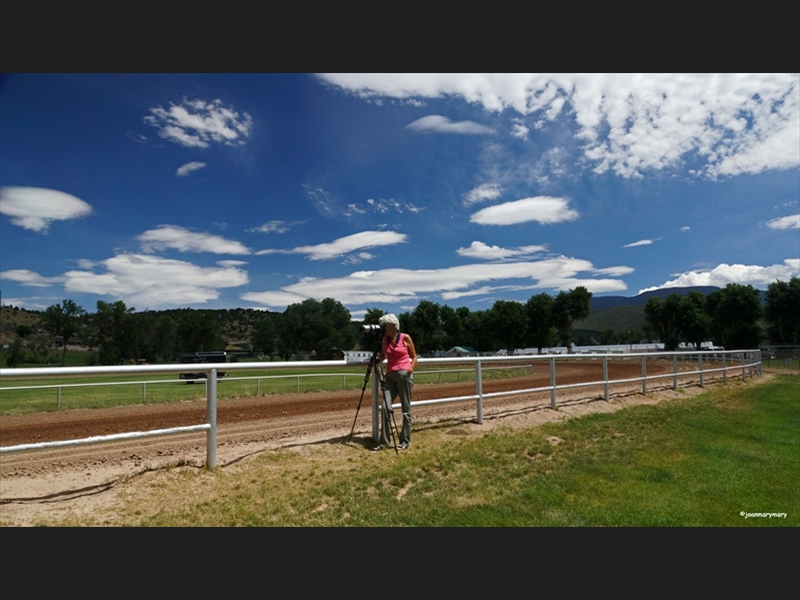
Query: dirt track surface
{"x": 251, "y": 425}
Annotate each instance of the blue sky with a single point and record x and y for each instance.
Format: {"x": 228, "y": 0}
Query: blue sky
{"x": 253, "y": 190}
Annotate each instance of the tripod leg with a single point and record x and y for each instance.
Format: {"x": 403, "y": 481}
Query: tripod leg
{"x": 389, "y": 418}
{"x": 360, "y": 400}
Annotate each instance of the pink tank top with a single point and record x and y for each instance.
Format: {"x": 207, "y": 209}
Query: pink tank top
{"x": 397, "y": 358}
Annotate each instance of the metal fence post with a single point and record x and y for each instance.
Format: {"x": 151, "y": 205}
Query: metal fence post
{"x": 553, "y": 382}
{"x": 479, "y": 390}
{"x": 644, "y": 375}
{"x": 724, "y": 368}
{"x": 211, "y": 419}
{"x": 605, "y": 376}
{"x": 700, "y": 366}
{"x": 674, "y": 371}
{"x": 58, "y": 400}
{"x": 144, "y": 392}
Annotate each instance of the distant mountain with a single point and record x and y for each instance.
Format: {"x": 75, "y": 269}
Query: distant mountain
{"x": 640, "y": 300}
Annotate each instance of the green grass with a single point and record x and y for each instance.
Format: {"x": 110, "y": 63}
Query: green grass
{"x": 698, "y": 461}
{"x": 174, "y": 390}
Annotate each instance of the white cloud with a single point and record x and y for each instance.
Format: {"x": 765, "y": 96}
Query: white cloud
{"x": 518, "y": 130}
{"x": 345, "y": 245}
{"x": 685, "y": 229}
{"x": 322, "y": 200}
{"x": 439, "y": 124}
{"x": 542, "y": 209}
{"x": 196, "y": 123}
{"x": 406, "y": 285}
{"x": 483, "y": 251}
{"x": 231, "y": 263}
{"x": 629, "y": 123}
{"x": 189, "y": 168}
{"x": 36, "y": 208}
{"x": 787, "y": 222}
{"x": 183, "y": 240}
{"x": 276, "y": 226}
{"x": 485, "y": 191}
{"x": 152, "y": 281}
{"x": 723, "y": 274}
{"x": 639, "y": 243}
{"x": 382, "y": 206}
{"x": 29, "y": 278}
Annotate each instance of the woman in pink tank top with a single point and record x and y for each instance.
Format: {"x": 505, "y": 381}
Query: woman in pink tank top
{"x": 401, "y": 360}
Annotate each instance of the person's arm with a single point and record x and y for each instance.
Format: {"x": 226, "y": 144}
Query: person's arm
{"x": 412, "y": 352}
{"x": 383, "y": 349}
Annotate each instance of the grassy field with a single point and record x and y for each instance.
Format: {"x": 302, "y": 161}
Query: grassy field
{"x": 717, "y": 459}
{"x": 85, "y": 392}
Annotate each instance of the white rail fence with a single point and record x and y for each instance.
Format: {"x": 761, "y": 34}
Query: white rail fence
{"x": 739, "y": 363}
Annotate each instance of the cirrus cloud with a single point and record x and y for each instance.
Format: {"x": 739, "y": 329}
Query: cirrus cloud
{"x": 629, "y": 123}
{"x": 36, "y": 208}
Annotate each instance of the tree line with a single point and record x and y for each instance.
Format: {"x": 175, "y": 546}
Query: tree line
{"x": 732, "y": 317}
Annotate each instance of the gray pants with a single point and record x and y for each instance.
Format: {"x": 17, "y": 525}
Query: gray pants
{"x": 398, "y": 383}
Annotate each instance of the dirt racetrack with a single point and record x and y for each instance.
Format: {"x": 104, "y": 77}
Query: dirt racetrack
{"x": 251, "y": 425}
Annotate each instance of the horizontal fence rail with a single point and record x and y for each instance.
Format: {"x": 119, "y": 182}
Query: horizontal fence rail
{"x": 742, "y": 364}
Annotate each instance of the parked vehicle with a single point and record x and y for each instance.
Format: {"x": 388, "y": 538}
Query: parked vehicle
{"x": 202, "y": 358}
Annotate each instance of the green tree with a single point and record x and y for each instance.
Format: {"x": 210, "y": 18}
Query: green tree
{"x": 24, "y": 331}
{"x": 318, "y": 327}
{"x": 159, "y": 344}
{"x": 478, "y": 331}
{"x": 569, "y": 308}
{"x": 782, "y": 311}
{"x": 115, "y": 334}
{"x": 507, "y": 321}
{"x": 264, "y": 336}
{"x": 735, "y": 311}
{"x": 199, "y": 331}
{"x": 426, "y": 327}
{"x": 694, "y": 321}
{"x": 15, "y": 355}
{"x": 539, "y": 313}
{"x": 453, "y": 326}
{"x": 662, "y": 317}
{"x": 63, "y": 320}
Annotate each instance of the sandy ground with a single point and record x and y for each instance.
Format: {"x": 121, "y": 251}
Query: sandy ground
{"x": 54, "y": 484}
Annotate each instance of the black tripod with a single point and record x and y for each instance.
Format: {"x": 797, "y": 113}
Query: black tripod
{"x": 386, "y": 405}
